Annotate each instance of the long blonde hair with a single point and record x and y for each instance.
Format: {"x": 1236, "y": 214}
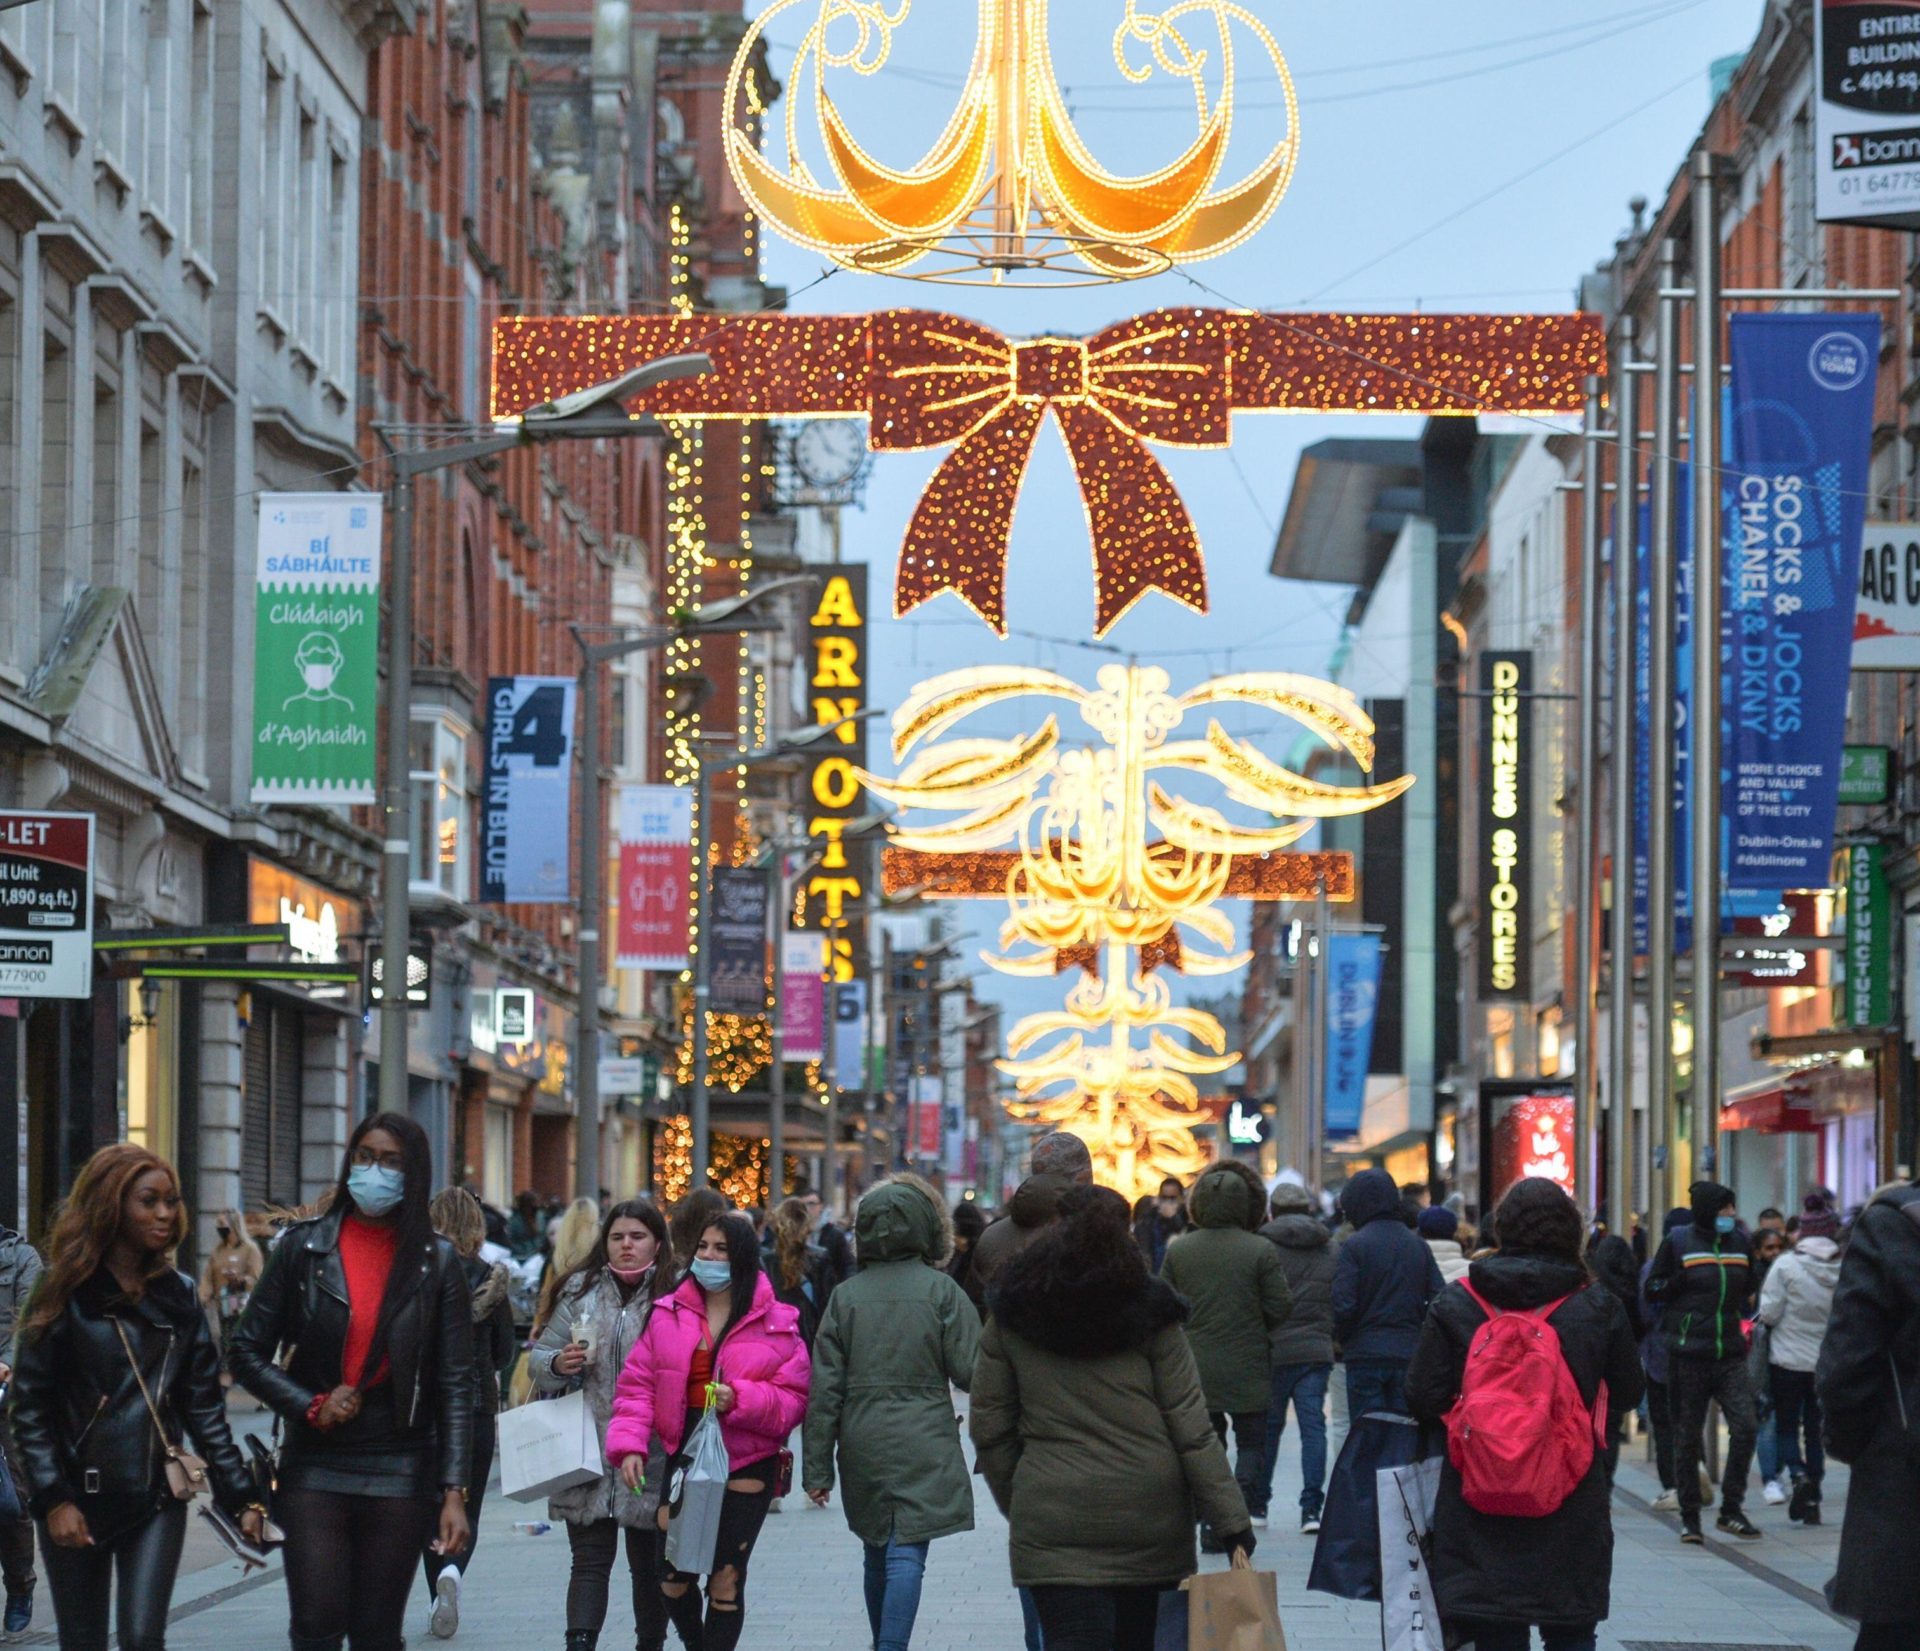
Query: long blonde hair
{"x": 574, "y": 1236}
{"x": 791, "y": 1230}
{"x": 87, "y": 1225}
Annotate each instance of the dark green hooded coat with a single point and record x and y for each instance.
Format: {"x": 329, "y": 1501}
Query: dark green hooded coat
{"x": 894, "y": 1336}
{"x": 1235, "y": 1289}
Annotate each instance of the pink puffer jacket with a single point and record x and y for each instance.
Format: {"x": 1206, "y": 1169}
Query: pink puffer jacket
{"x": 762, "y": 1358}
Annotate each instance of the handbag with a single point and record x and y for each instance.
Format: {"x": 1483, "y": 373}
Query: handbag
{"x": 783, "y": 1473}
{"x": 186, "y": 1473}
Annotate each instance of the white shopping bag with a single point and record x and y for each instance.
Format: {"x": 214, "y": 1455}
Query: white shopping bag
{"x": 694, "y": 1497}
{"x": 547, "y": 1447}
{"x": 1409, "y": 1618}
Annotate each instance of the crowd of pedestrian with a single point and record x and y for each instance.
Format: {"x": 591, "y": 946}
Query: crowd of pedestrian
{"x": 1131, "y": 1375}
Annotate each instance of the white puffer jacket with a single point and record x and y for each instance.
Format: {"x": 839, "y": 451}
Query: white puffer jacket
{"x": 1797, "y": 1300}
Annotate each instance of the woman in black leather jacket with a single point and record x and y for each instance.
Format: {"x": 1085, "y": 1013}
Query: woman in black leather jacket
{"x": 376, "y": 1394}
{"x": 111, "y": 1313}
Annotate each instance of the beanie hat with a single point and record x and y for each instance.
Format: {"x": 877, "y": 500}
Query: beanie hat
{"x": 1437, "y": 1221}
{"x": 1676, "y": 1219}
{"x": 1818, "y": 1219}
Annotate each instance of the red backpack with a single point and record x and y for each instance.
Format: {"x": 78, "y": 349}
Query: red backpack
{"x": 1518, "y": 1434}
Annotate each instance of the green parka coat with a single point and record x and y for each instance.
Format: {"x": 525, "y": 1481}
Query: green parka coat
{"x": 894, "y": 1337}
{"x": 1235, "y": 1289}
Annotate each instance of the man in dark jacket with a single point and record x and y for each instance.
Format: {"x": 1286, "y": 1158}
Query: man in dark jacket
{"x": 1158, "y": 1221}
{"x": 1702, "y": 1282}
{"x": 1383, "y": 1282}
{"x": 1302, "y": 1348}
{"x": 1058, "y": 1162}
{"x": 1872, "y": 1344}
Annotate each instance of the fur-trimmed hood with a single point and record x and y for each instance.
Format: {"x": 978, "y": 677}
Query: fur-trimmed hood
{"x": 489, "y": 1292}
{"x": 903, "y": 1216}
{"x": 1079, "y": 1321}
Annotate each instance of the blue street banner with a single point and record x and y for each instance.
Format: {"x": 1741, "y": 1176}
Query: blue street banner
{"x": 1795, "y": 494}
{"x": 1353, "y": 1000}
{"x": 850, "y": 1038}
{"x": 526, "y": 807}
{"x": 1682, "y": 849}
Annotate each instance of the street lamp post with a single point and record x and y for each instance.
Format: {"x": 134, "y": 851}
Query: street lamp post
{"x": 585, "y": 415}
{"x": 793, "y": 745}
{"x": 734, "y": 616}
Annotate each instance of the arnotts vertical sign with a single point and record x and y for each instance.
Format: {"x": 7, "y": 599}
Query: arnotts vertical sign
{"x": 1506, "y": 825}
{"x": 529, "y": 791}
{"x": 836, "y": 689}
{"x": 1795, "y": 493}
{"x": 316, "y": 647}
{"x": 1866, "y": 161}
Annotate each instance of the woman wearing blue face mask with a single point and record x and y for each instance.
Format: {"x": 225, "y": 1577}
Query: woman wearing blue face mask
{"x": 375, "y": 1395}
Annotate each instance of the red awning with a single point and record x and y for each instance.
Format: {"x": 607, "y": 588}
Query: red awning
{"x": 1770, "y": 1112}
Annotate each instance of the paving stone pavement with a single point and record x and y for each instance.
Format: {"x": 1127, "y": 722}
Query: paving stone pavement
{"x": 804, "y": 1588}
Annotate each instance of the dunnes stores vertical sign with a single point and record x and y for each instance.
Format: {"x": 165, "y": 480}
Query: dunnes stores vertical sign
{"x": 837, "y": 689}
{"x": 1506, "y": 826}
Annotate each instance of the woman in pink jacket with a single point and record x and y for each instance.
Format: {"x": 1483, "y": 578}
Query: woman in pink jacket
{"x": 722, "y": 1335}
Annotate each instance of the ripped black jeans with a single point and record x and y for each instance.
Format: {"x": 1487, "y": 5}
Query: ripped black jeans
{"x": 742, "y": 1513}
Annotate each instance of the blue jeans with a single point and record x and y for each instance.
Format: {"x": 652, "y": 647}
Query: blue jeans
{"x": 1376, "y": 1384}
{"x": 1305, "y": 1387}
{"x": 894, "y": 1575}
{"x": 1030, "y": 1619}
{"x": 1796, "y": 1415}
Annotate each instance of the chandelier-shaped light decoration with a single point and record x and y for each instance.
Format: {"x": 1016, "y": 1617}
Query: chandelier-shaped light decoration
{"x": 1112, "y": 871}
{"x": 1009, "y": 191}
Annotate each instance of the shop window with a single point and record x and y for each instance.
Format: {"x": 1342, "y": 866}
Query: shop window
{"x": 442, "y": 808}
{"x": 497, "y": 1165}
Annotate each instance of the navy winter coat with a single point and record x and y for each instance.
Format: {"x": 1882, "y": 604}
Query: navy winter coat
{"x": 1384, "y": 1278}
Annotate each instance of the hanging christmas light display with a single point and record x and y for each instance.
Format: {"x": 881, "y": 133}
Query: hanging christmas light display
{"x": 1113, "y": 872}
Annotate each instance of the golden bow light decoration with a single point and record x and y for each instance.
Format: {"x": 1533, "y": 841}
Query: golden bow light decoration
{"x": 1172, "y": 377}
{"x": 1114, "y": 873}
{"x": 1009, "y": 191}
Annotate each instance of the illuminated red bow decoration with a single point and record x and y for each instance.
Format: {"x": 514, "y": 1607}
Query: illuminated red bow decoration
{"x": 937, "y": 380}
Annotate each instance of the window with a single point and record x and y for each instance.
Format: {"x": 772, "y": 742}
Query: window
{"x": 199, "y": 202}
{"x": 197, "y": 621}
{"x": 442, "y": 808}
{"x": 273, "y": 103}
{"x": 157, "y": 104}
{"x": 309, "y": 233}
{"x": 105, "y": 504}
{"x": 337, "y": 272}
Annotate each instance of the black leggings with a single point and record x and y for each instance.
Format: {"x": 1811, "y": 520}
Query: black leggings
{"x": 1097, "y": 1619}
{"x": 144, "y": 1561}
{"x": 595, "y": 1547}
{"x": 741, "y": 1516}
{"x": 485, "y": 1424}
{"x": 350, "y": 1565}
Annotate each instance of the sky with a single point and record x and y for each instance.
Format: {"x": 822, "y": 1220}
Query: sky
{"x": 1469, "y": 157}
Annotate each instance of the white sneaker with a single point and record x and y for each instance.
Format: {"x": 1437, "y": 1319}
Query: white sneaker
{"x": 774, "y": 1506}
{"x": 444, "y": 1623}
{"x": 1774, "y": 1493}
{"x": 1259, "y": 1521}
{"x": 1668, "y": 1501}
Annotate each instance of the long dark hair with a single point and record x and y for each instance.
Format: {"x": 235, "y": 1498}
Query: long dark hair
{"x": 1538, "y": 1218}
{"x": 743, "y": 1258}
{"x": 88, "y": 1224}
{"x": 643, "y": 1210}
{"x": 414, "y": 1220}
{"x": 692, "y": 1216}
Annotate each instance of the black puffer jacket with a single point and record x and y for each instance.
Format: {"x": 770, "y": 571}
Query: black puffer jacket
{"x": 1874, "y": 1333}
{"x": 301, "y": 1303}
{"x": 83, "y": 1429}
{"x": 1552, "y": 1571}
{"x": 1702, "y": 1281}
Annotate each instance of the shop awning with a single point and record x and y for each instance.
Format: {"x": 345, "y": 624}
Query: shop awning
{"x": 1774, "y": 1110}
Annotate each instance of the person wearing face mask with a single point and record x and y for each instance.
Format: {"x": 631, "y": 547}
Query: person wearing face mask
{"x": 720, "y": 1339}
{"x": 372, "y": 1309}
{"x": 1702, "y": 1282}
{"x": 600, "y": 1310}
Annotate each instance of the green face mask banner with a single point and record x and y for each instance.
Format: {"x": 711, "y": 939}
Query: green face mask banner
{"x": 316, "y": 660}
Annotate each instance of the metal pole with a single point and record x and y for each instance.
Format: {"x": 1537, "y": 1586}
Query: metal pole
{"x": 396, "y": 864}
{"x": 697, "y": 1113}
{"x": 1661, "y": 893}
{"x": 1625, "y": 701}
{"x": 1704, "y": 762}
{"x": 1586, "y": 970}
{"x": 1302, "y": 1078}
{"x": 586, "y": 1094}
{"x": 777, "y": 1070}
{"x": 829, "y": 1016}
{"x": 1322, "y": 924}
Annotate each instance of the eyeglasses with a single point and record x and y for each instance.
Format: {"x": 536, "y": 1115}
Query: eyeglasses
{"x": 367, "y": 1158}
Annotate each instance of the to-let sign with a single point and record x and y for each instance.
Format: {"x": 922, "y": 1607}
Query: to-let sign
{"x": 46, "y": 905}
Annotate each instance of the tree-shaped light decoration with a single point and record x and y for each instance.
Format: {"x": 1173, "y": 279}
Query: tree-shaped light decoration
{"x": 1117, "y": 874}
{"x": 1009, "y": 191}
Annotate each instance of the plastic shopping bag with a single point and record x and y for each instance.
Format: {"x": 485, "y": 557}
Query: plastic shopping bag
{"x": 1234, "y": 1610}
{"x": 1346, "y": 1558}
{"x": 1409, "y": 1619}
{"x": 694, "y": 1496}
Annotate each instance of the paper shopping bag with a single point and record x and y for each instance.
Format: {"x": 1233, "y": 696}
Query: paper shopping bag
{"x": 695, "y": 1494}
{"x": 1409, "y": 1619}
{"x": 547, "y": 1447}
{"x": 1236, "y": 1610}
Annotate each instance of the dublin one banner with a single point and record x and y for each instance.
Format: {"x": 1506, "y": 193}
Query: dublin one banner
{"x": 316, "y": 647}
{"x": 1795, "y": 488}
